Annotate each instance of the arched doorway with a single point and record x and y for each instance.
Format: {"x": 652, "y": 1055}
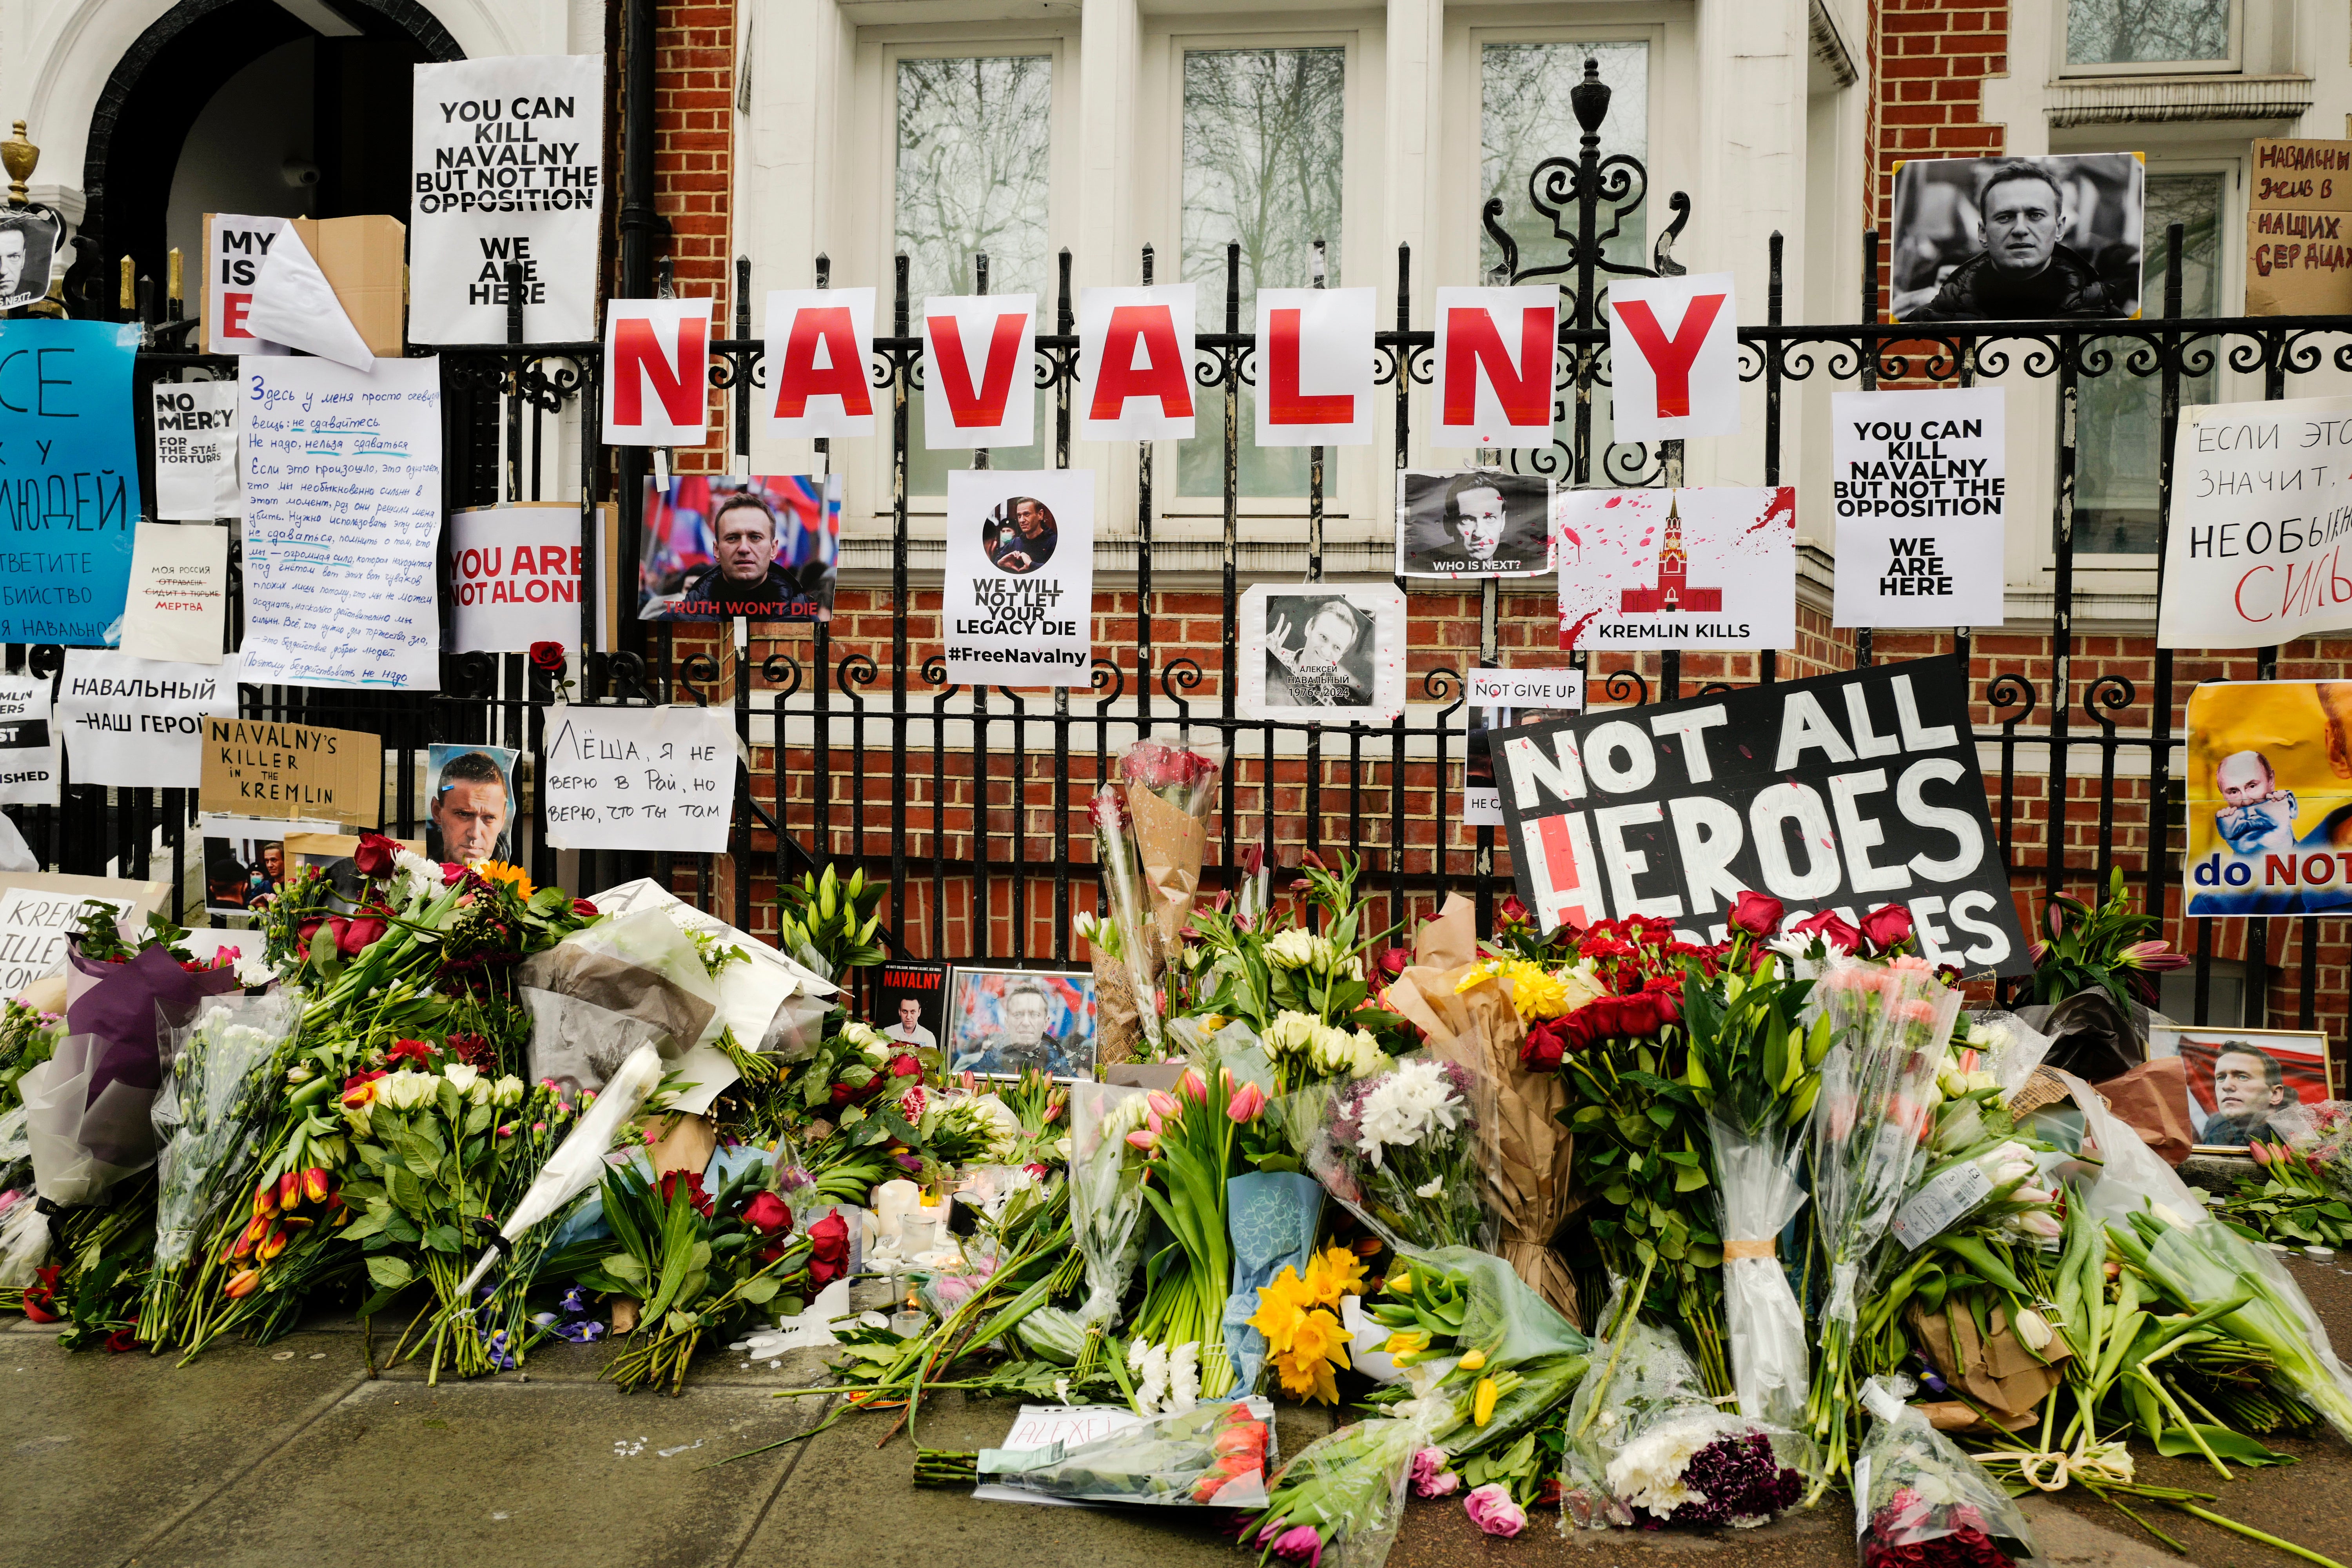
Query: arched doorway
{"x": 245, "y": 106}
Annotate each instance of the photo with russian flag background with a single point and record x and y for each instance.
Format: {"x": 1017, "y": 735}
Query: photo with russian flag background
{"x": 766, "y": 547}
{"x": 1684, "y": 569}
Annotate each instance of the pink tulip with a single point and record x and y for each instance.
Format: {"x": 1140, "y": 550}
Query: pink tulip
{"x": 1147, "y": 1141}
{"x": 1300, "y": 1543}
{"x": 1192, "y": 1087}
{"x": 2262, "y": 1155}
{"x": 1247, "y": 1103}
{"x": 1159, "y": 1102}
{"x": 2042, "y": 1222}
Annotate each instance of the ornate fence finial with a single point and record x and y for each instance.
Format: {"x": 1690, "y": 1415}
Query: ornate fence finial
{"x": 19, "y": 156}
{"x": 1589, "y": 99}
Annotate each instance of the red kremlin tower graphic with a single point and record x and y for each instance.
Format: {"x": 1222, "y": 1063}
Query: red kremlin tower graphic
{"x": 1674, "y": 591}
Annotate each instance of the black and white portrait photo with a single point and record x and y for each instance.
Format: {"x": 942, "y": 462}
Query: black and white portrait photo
{"x": 1473, "y": 523}
{"x": 1322, "y": 653}
{"x": 2018, "y": 239}
{"x": 27, "y": 242}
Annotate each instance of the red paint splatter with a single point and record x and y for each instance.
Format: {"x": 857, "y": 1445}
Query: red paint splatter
{"x": 1612, "y": 500}
{"x": 1568, "y": 633}
{"x": 1784, "y": 505}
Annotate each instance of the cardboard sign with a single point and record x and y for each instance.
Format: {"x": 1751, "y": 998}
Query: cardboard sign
{"x": 1674, "y": 357}
{"x": 977, "y": 390}
{"x": 2262, "y": 509}
{"x": 818, "y": 341}
{"x": 139, "y": 723}
{"x": 235, "y": 245}
{"x": 1842, "y": 791}
{"x": 178, "y": 604}
{"x": 35, "y": 923}
{"x": 1693, "y": 568}
{"x": 1135, "y": 364}
{"x": 2299, "y": 228}
{"x": 69, "y": 479}
{"x": 1019, "y": 581}
{"x": 343, "y": 489}
{"x": 639, "y": 778}
{"x": 2270, "y": 816}
{"x": 1316, "y": 364}
{"x": 1495, "y": 350}
{"x": 196, "y": 451}
{"x": 28, "y": 744}
{"x": 514, "y": 576}
{"x": 260, "y": 770}
{"x": 1920, "y": 483}
{"x": 657, "y": 372}
{"x": 508, "y": 160}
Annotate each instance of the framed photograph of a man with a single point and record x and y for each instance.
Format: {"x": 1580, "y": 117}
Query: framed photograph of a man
{"x": 470, "y": 811}
{"x": 2018, "y": 239}
{"x": 767, "y": 547}
{"x": 1473, "y": 523}
{"x": 910, "y": 1004}
{"x": 1005, "y": 1022}
{"x": 2240, "y": 1078}
{"x": 28, "y": 243}
{"x": 1312, "y": 652}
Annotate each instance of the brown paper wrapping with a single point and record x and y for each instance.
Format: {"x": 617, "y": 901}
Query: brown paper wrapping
{"x": 1118, "y": 1032}
{"x": 1172, "y": 844}
{"x": 1524, "y": 1148}
{"x": 2152, "y": 1099}
{"x": 681, "y": 1143}
{"x": 1998, "y": 1373}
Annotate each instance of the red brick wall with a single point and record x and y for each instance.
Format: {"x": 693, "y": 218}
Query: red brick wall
{"x": 1928, "y": 62}
{"x": 693, "y": 164}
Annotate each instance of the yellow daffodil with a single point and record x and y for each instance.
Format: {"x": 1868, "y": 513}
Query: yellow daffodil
{"x": 1317, "y": 1336}
{"x": 1277, "y": 1318}
{"x": 1333, "y": 1274}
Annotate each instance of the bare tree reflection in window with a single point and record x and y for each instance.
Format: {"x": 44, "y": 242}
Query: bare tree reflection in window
{"x": 2130, "y": 32}
{"x": 1264, "y": 132}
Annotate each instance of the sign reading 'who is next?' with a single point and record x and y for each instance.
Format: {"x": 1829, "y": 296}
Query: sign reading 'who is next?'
{"x": 1841, "y": 793}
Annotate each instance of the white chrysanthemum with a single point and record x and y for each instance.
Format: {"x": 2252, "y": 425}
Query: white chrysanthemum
{"x": 1648, "y": 1472}
{"x": 1404, "y": 1107}
{"x": 1293, "y": 949}
{"x": 1433, "y": 1188}
{"x": 1184, "y": 1378}
{"x": 419, "y": 878}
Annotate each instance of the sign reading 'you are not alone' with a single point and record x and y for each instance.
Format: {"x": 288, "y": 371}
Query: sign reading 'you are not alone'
{"x": 1840, "y": 792}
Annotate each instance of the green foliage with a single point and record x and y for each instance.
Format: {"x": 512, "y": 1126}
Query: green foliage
{"x": 2110, "y": 948}
{"x": 828, "y": 924}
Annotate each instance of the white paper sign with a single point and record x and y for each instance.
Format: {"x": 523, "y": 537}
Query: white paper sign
{"x": 508, "y": 160}
{"x": 639, "y": 778}
{"x": 178, "y": 601}
{"x": 196, "y": 451}
{"x": 1494, "y": 366}
{"x": 1020, "y": 583}
{"x": 294, "y": 304}
{"x": 1544, "y": 688}
{"x": 818, "y": 341}
{"x": 514, "y": 578}
{"x": 139, "y": 723}
{"x": 1921, "y": 488}
{"x": 33, "y": 929}
{"x": 342, "y": 493}
{"x": 1674, "y": 357}
{"x": 1316, "y": 360}
{"x": 1135, "y": 364}
{"x": 239, "y": 246}
{"x": 657, "y": 372}
{"x": 1692, "y": 569}
{"x": 1493, "y": 701}
{"x": 2261, "y": 507}
{"x": 1043, "y": 1425}
{"x": 28, "y": 746}
{"x": 977, "y": 388}
{"x": 1322, "y": 652}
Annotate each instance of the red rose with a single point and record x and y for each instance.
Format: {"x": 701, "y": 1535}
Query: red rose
{"x": 1887, "y": 926}
{"x": 1666, "y": 991}
{"x": 1832, "y": 932}
{"x": 904, "y": 1065}
{"x": 40, "y": 1298}
{"x": 1757, "y": 914}
{"x": 767, "y": 1214}
{"x": 373, "y": 857}
{"x": 1638, "y": 1015}
{"x": 1511, "y": 913}
{"x": 692, "y": 1182}
{"x": 1603, "y": 1019}
{"x": 1392, "y": 963}
{"x": 309, "y": 929}
{"x": 828, "y": 1249}
{"x": 415, "y": 1051}
{"x": 353, "y": 937}
{"x": 547, "y": 656}
{"x": 583, "y": 909}
{"x": 1547, "y": 1040}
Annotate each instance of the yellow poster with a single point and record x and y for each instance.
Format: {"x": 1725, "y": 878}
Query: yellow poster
{"x": 2270, "y": 797}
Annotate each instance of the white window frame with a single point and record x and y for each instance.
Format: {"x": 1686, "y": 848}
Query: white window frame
{"x": 886, "y": 46}
{"x": 1349, "y": 472}
{"x": 2234, "y": 64}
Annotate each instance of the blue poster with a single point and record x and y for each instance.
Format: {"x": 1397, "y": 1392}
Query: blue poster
{"x": 69, "y": 480}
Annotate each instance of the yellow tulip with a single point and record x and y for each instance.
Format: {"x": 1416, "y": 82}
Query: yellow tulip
{"x": 1400, "y": 1281}
{"x": 1482, "y": 1403}
{"x": 1474, "y": 1359}
{"x": 1405, "y": 1342}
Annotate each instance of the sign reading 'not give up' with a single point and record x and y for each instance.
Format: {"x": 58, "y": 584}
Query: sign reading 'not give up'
{"x": 1844, "y": 792}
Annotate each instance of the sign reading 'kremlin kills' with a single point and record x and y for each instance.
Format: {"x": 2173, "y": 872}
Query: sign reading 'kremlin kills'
{"x": 1680, "y": 569}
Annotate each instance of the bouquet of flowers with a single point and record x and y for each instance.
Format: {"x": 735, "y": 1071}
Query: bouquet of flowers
{"x": 1508, "y": 1358}
{"x": 1401, "y": 1151}
{"x": 1105, "y": 1192}
{"x": 1214, "y": 1454}
{"x": 1341, "y": 1499}
{"x": 1303, "y": 992}
{"x": 1127, "y": 937}
{"x": 1889, "y": 1024}
{"x": 1920, "y": 1501}
{"x": 1298, "y": 1316}
{"x": 1650, "y": 1447}
{"x": 1171, "y": 788}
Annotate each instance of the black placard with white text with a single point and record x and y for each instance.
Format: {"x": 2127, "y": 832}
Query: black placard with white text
{"x": 1843, "y": 792}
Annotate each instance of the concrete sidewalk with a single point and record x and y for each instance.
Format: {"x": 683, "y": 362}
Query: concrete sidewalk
{"x": 293, "y": 1454}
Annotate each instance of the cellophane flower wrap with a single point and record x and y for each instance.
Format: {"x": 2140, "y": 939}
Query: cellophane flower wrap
{"x": 1107, "y": 1202}
{"x": 1889, "y": 1024}
{"x": 1759, "y": 1182}
{"x": 1214, "y": 1454}
{"x": 1648, "y": 1447}
{"x": 209, "y": 1117}
{"x": 1921, "y": 1501}
{"x": 1128, "y": 929}
{"x": 1171, "y": 788}
{"x": 1337, "y": 1503}
{"x": 1401, "y": 1151}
